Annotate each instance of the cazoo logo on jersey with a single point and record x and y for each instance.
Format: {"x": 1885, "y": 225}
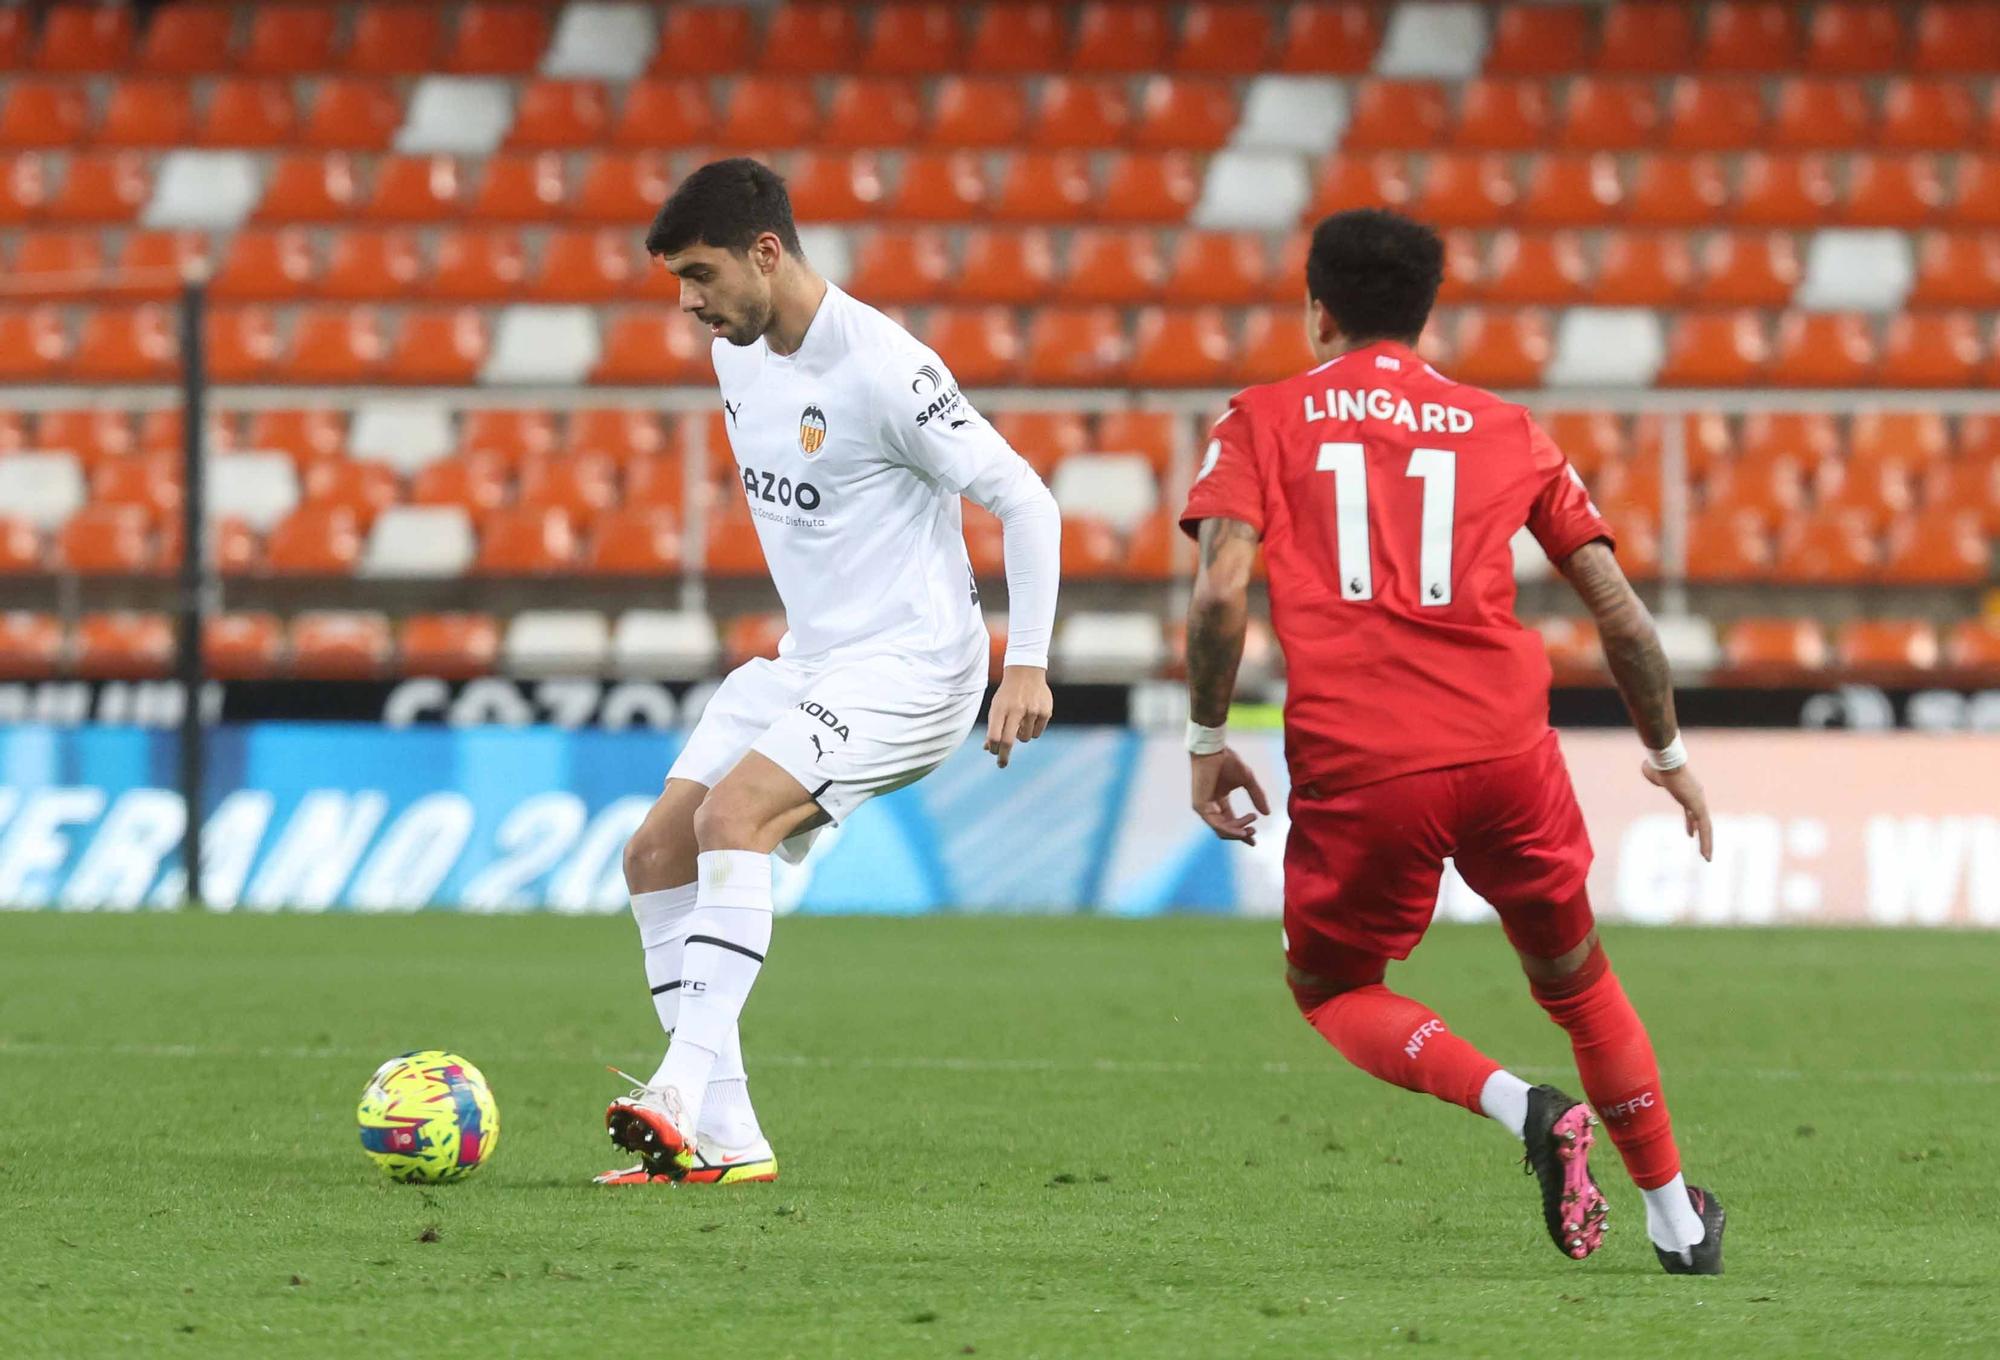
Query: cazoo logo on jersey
{"x": 775, "y": 490}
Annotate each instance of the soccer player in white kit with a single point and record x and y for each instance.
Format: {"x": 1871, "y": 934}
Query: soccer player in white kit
{"x": 854, "y": 445}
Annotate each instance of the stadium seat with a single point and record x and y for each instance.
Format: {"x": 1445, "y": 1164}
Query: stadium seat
{"x": 122, "y": 646}
{"x": 912, "y": 37}
{"x": 90, "y": 435}
{"x": 1326, "y": 38}
{"x": 396, "y": 39}
{"x": 520, "y": 187}
{"x": 763, "y": 111}
{"x": 645, "y": 347}
{"x": 127, "y": 344}
{"x": 984, "y": 542}
{"x": 498, "y": 39}
{"x": 1749, "y": 35}
{"x": 1613, "y": 113}
{"x": 1149, "y": 186}
{"x": 1076, "y": 347}
{"x": 1043, "y": 186}
{"x": 478, "y": 265}
{"x": 1886, "y": 644}
{"x": 79, "y": 39}
{"x": 580, "y": 265}
{"x": 668, "y": 644}
{"x": 188, "y": 39}
{"x": 242, "y": 646}
{"x": 1150, "y": 434}
{"x": 419, "y": 541}
{"x": 1544, "y": 267}
{"x": 59, "y": 260}
{"x": 1377, "y": 181}
{"x": 624, "y": 433}
{"x": 634, "y": 540}
{"x": 315, "y": 540}
{"x": 1868, "y": 494}
{"x": 1854, "y": 38}
{"x": 750, "y": 636}
{"x": 847, "y": 187}
{"x": 1092, "y": 646}
{"x": 981, "y": 344}
{"x": 39, "y": 113}
{"x": 1044, "y": 438}
{"x": 1540, "y": 40}
{"x": 440, "y": 347}
{"x": 1937, "y": 115}
{"x": 31, "y": 645}
{"x": 1090, "y": 549}
{"x": 249, "y": 113}
{"x": 150, "y": 113}
{"x": 1940, "y": 546}
{"x": 978, "y": 111}
{"x": 1976, "y": 201}
{"x": 288, "y": 40}
{"x": 1956, "y": 38}
{"x": 34, "y": 343}
{"x": 1397, "y": 114}
{"x": 556, "y": 642}
{"x": 732, "y": 549}
{"x": 1643, "y": 269}
{"x": 1120, "y": 35}
{"x": 620, "y": 189}
{"x": 1932, "y": 349}
{"x": 369, "y": 264}
{"x": 1590, "y": 439}
{"x": 154, "y": 263}
{"x": 1116, "y": 488}
{"x": 340, "y": 645}
{"x": 1916, "y": 437}
{"x": 149, "y": 482}
{"x": 1020, "y": 39}
{"x": 1183, "y": 114}
{"x": 526, "y": 541}
{"x": 1892, "y": 191}
{"x": 263, "y": 265}
{"x": 581, "y": 486}
{"x": 560, "y": 115}
{"x": 475, "y": 481}
{"x": 1727, "y": 543}
{"x": 1830, "y": 550}
{"x": 1707, "y": 440}
{"x": 1216, "y": 267}
{"x": 24, "y": 188}
{"x": 1716, "y": 349}
{"x": 1643, "y": 36}
{"x": 1823, "y": 350}
{"x": 449, "y": 646}
{"x": 1784, "y": 190}
{"x": 658, "y": 481}
{"x": 1501, "y": 348}
{"x": 241, "y": 344}
{"x": 1714, "y": 113}
{"x": 1762, "y": 644}
{"x": 1087, "y": 113}
{"x": 1974, "y": 644}
{"x": 1274, "y": 346}
{"x": 1182, "y": 347}
{"x": 872, "y": 112}
{"x": 1108, "y": 265}
{"x": 1223, "y": 39}
{"x": 901, "y": 266}
{"x": 311, "y": 187}
{"x": 417, "y": 189}
{"x": 108, "y": 540}
{"x": 1748, "y": 269}
{"x": 510, "y": 435}
{"x": 705, "y": 40}
{"x": 1468, "y": 190}
{"x": 334, "y": 345}
{"x": 1676, "y": 191}
{"x": 364, "y": 489}
{"x": 405, "y": 433}
{"x": 1957, "y": 269}
{"x": 1503, "y": 115}
{"x": 664, "y": 113}
{"x": 1815, "y": 113}
{"x": 813, "y": 36}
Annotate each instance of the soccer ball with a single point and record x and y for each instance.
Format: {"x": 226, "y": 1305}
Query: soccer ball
{"x": 428, "y": 1117}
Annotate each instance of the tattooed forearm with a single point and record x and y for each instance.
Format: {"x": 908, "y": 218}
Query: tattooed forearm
{"x": 1217, "y": 614}
{"x": 1631, "y": 643}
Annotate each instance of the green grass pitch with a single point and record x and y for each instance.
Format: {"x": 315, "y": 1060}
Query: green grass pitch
{"x": 1004, "y": 1138}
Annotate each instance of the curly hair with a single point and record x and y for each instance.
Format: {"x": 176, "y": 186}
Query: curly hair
{"x": 1377, "y": 273}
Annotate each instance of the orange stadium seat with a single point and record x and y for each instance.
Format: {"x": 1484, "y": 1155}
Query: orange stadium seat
{"x": 1546, "y": 267}
{"x": 1503, "y": 115}
{"x": 509, "y": 435}
{"x": 558, "y": 114}
{"x": 624, "y": 433}
{"x": 287, "y": 40}
{"x": 1393, "y": 114}
{"x": 1976, "y": 202}
{"x": 1748, "y": 269}
{"x": 819, "y": 36}
{"x": 765, "y": 111}
{"x": 1468, "y": 190}
{"x": 1223, "y": 39}
{"x": 58, "y": 259}
{"x": 24, "y": 188}
{"x": 1182, "y": 347}
{"x": 154, "y": 263}
{"x": 80, "y": 38}
{"x": 978, "y": 111}
{"x": 1321, "y": 37}
{"x": 1643, "y": 269}
{"x": 1043, "y": 186}
{"x": 1590, "y": 439}
{"x": 336, "y": 344}
{"x": 900, "y": 265}
{"x": 1869, "y": 495}
{"x": 732, "y": 549}
{"x": 34, "y": 344}
{"x": 1957, "y": 38}
{"x": 644, "y": 347}
{"x": 984, "y": 542}
{"x": 1820, "y": 112}
{"x": 1501, "y": 348}
{"x": 580, "y": 486}
{"x": 1784, "y": 190}
{"x": 1149, "y": 186}
{"x": 1939, "y": 546}
{"x": 417, "y": 189}
{"x": 439, "y": 347}
{"x": 242, "y": 646}
{"x": 705, "y": 40}
{"x": 449, "y": 646}
{"x": 1077, "y": 347}
{"x": 520, "y": 187}
{"x": 1617, "y": 113}
{"x": 912, "y": 37}
{"x": 1216, "y": 267}
{"x": 14, "y": 432}
{"x": 108, "y": 540}
{"x": 1044, "y": 438}
{"x": 1540, "y": 40}
{"x": 749, "y": 636}
{"x": 1854, "y": 38}
{"x": 1916, "y": 437}
{"x": 1893, "y": 644}
{"x": 396, "y": 39}
{"x": 664, "y": 113}
{"x": 1707, "y": 440}
{"x": 1932, "y": 349}
{"x": 91, "y": 434}
{"x": 580, "y": 265}
{"x": 1110, "y": 265}
{"x": 1147, "y": 433}
{"x": 1829, "y": 550}
{"x": 634, "y": 540}
{"x": 17, "y": 38}
{"x": 981, "y": 344}
{"x": 266, "y": 265}
{"x": 147, "y": 112}
{"x": 1080, "y": 113}
{"x": 499, "y": 39}
{"x": 1728, "y": 544}
{"x": 44, "y": 114}
{"x": 242, "y": 344}
{"x": 1892, "y": 191}
{"x": 30, "y": 645}
{"x": 122, "y": 646}
{"x": 315, "y": 540}
{"x": 1377, "y": 181}
{"x": 621, "y": 188}
{"x": 1153, "y": 548}
{"x": 249, "y": 113}
{"x": 1274, "y": 346}
{"x": 364, "y": 489}
{"x": 478, "y": 265}
{"x": 1824, "y": 350}
{"x": 1714, "y": 113}
{"x": 163, "y": 431}
{"x": 1569, "y": 187}
{"x": 842, "y": 187}
{"x": 1090, "y": 549}
{"x": 526, "y": 541}
{"x": 369, "y": 264}
{"x": 1177, "y": 113}
{"x": 476, "y": 481}
{"x": 1750, "y": 35}
{"x": 1120, "y": 35}
{"x": 1811, "y": 437}
{"x": 1775, "y": 644}
{"x": 127, "y": 344}
{"x": 1644, "y": 36}
{"x": 1676, "y": 191}
{"x": 188, "y": 39}
{"x": 871, "y": 111}
{"x": 150, "y": 482}
{"x": 1974, "y": 644}
{"x": 1927, "y": 115}
{"x": 353, "y": 117}
{"x": 657, "y": 481}
{"x": 341, "y": 645}
{"x": 1715, "y": 349}
{"x": 309, "y": 187}
{"x": 1017, "y": 39}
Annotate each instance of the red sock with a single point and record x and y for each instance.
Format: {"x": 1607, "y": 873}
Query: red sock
{"x": 1404, "y": 1043}
{"x": 1615, "y": 1059}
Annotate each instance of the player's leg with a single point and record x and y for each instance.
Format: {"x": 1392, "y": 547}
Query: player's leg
{"x": 1529, "y": 859}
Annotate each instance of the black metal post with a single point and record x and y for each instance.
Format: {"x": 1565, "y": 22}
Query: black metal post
{"x": 194, "y": 581}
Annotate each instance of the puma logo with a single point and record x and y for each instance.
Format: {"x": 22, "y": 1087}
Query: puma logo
{"x": 817, "y": 747}
{"x": 731, "y": 409}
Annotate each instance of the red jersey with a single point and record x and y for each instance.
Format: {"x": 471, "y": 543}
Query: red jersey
{"x": 1386, "y": 494}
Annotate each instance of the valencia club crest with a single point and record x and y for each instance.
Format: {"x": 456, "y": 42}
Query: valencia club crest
{"x": 812, "y": 431}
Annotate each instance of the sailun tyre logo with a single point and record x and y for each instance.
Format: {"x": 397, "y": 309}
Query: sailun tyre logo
{"x": 928, "y": 379}
{"x": 812, "y": 431}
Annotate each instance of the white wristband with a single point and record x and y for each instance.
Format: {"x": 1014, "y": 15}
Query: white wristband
{"x": 1669, "y": 757}
{"x": 1205, "y": 741}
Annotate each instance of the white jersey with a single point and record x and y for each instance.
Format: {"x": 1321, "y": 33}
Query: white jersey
{"x": 853, "y": 454}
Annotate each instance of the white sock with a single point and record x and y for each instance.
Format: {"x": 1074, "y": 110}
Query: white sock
{"x": 663, "y": 918}
{"x": 727, "y": 1119}
{"x": 1504, "y": 1099}
{"x": 728, "y": 935}
{"x": 1671, "y": 1220}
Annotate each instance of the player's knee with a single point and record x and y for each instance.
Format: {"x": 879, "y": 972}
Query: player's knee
{"x": 725, "y": 822}
{"x": 656, "y": 857}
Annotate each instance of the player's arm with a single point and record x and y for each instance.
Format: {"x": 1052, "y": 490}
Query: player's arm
{"x": 1218, "y": 613}
{"x": 1639, "y": 668}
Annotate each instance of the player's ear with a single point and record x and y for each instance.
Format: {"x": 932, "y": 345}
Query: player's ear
{"x": 1322, "y": 332}
{"x": 765, "y": 253}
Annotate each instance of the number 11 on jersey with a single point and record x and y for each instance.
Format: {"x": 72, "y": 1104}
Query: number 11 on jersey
{"x": 1438, "y": 470}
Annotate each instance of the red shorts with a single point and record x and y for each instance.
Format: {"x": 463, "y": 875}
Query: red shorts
{"x": 1362, "y": 865}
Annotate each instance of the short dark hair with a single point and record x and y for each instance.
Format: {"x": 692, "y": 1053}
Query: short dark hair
{"x": 725, "y": 203}
{"x": 1376, "y": 272}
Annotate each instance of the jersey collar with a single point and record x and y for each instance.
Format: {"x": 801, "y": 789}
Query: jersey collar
{"x": 816, "y": 328}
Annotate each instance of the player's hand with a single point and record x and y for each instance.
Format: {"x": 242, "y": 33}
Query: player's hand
{"x": 1021, "y": 710}
{"x": 1216, "y": 778}
{"x": 1686, "y": 790}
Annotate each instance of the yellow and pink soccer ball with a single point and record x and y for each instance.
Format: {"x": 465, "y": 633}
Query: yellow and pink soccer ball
{"x": 428, "y": 1117}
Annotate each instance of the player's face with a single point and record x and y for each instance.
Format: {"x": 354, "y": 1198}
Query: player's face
{"x": 727, "y": 291}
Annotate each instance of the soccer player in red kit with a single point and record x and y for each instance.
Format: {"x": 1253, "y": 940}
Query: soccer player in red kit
{"x": 1416, "y": 722}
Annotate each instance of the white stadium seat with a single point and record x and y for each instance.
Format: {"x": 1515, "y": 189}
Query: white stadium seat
{"x": 1108, "y": 647}
{"x": 455, "y": 115}
{"x": 599, "y": 41}
{"x": 1430, "y": 41}
{"x": 542, "y": 345}
{"x": 1689, "y": 642}
{"x": 1118, "y": 487}
{"x": 1856, "y": 271}
{"x": 202, "y": 189}
{"x": 1292, "y": 113}
{"x": 407, "y": 435}
{"x": 1606, "y": 347}
{"x": 556, "y": 642}
{"x": 1252, "y": 191}
{"x": 419, "y": 540}
{"x": 663, "y": 644}
{"x": 44, "y": 489}
{"x": 258, "y": 488}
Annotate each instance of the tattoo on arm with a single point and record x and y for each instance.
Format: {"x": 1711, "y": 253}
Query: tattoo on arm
{"x": 1631, "y": 642}
{"x": 1217, "y": 615}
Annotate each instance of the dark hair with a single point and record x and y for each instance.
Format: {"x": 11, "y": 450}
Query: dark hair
{"x": 1376, "y": 272}
{"x": 725, "y": 203}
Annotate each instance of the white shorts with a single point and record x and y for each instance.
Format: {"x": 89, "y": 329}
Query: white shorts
{"x": 845, "y": 733}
